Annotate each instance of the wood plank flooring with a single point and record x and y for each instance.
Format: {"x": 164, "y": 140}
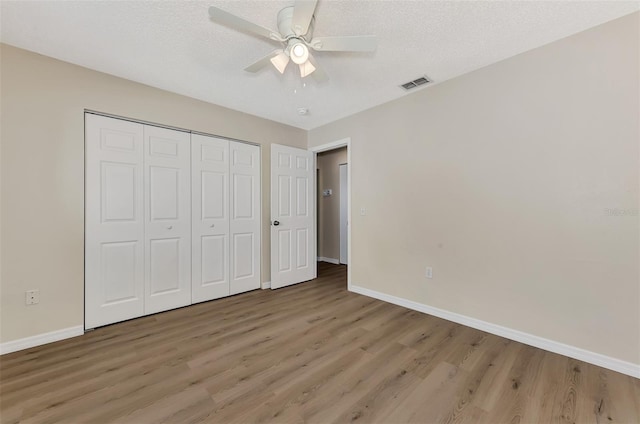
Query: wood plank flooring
{"x": 308, "y": 353}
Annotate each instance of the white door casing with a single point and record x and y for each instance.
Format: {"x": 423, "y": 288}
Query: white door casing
{"x": 210, "y": 217}
{"x": 293, "y": 235}
{"x": 114, "y": 221}
{"x": 344, "y": 191}
{"x": 244, "y": 224}
{"x": 167, "y": 230}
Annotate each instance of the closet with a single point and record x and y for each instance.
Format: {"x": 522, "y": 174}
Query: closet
{"x": 171, "y": 218}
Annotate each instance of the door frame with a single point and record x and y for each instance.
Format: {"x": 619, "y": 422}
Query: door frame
{"x": 343, "y": 209}
{"x": 345, "y": 142}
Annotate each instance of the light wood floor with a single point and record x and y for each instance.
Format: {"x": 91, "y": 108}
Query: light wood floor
{"x": 308, "y": 353}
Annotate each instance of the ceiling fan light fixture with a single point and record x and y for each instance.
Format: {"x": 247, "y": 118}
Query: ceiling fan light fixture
{"x": 299, "y": 53}
{"x": 295, "y": 32}
{"x": 306, "y": 68}
{"x": 280, "y": 62}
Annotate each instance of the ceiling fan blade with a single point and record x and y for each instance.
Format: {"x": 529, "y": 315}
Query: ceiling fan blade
{"x": 261, "y": 63}
{"x": 354, "y": 43}
{"x": 222, "y": 17}
{"x": 302, "y": 15}
{"x": 318, "y": 74}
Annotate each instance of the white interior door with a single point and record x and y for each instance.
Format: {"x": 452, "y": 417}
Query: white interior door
{"x": 344, "y": 192}
{"x": 167, "y": 219}
{"x": 293, "y": 238}
{"x": 210, "y": 218}
{"x": 114, "y": 233}
{"x": 244, "y": 226}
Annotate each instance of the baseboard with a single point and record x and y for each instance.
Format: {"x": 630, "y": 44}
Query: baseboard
{"x": 265, "y": 285}
{"x": 330, "y": 260}
{"x": 594, "y": 358}
{"x": 41, "y": 339}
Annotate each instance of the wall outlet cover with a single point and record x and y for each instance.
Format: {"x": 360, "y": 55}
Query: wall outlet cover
{"x": 32, "y": 297}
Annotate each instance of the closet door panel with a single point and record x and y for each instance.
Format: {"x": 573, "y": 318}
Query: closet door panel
{"x": 167, "y": 219}
{"x": 114, "y": 225}
{"x": 245, "y": 217}
{"x": 210, "y": 217}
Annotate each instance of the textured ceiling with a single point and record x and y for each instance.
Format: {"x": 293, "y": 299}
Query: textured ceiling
{"x": 174, "y": 46}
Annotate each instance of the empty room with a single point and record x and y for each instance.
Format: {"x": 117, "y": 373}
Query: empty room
{"x": 319, "y": 211}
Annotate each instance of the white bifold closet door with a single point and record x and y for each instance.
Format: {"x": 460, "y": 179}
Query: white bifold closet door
{"x": 244, "y": 214}
{"x": 171, "y": 219}
{"x": 114, "y": 220}
{"x": 225, "y": 217}
{"x": 138, "y": 220}
{"x": 210, "y": 217}
{"x": 167, "y": 230}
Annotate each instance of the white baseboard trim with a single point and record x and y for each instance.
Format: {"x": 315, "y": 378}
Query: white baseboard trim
{"x": 594, "y": 358}
{"x": 41, "y": 339}
{"x": 330, "y": 260}
{"x": 265, "y": 285}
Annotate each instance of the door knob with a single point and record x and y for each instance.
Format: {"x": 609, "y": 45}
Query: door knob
{"x": 212, "y": 225}
{"x": 169, "y": 227}
{"x": 276, "y": 223}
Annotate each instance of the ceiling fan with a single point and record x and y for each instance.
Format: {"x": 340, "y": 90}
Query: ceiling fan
{"x": 295, "y": 32}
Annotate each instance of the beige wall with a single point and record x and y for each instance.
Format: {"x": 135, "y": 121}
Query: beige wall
{"x": 501, "y": 180}
{"x": 43, "y": 175}
{"x": 329, "y": 207}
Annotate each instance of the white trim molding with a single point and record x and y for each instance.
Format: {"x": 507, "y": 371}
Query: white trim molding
{"x": 41, "y": 339}
{"x": 331, "y": 146}
{"x": 594, "y": 358}
{"x": 265, "y": 285}
{"x": 330, "y": 260}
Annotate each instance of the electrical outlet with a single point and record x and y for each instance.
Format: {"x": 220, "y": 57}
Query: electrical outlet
{"x": 32, "y": 297}
{"x": 429, "y": 272}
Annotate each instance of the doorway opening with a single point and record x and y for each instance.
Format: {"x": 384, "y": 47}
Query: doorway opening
{"x": 332, "y": 206}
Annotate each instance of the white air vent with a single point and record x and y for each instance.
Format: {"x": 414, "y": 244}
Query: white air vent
{"x": 415, "y": 83}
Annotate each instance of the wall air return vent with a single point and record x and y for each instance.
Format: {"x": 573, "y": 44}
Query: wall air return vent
{"x": 415, "y": 83}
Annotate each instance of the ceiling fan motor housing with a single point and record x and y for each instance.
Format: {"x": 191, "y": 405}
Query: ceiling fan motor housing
{"x": 285, "y": 18}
